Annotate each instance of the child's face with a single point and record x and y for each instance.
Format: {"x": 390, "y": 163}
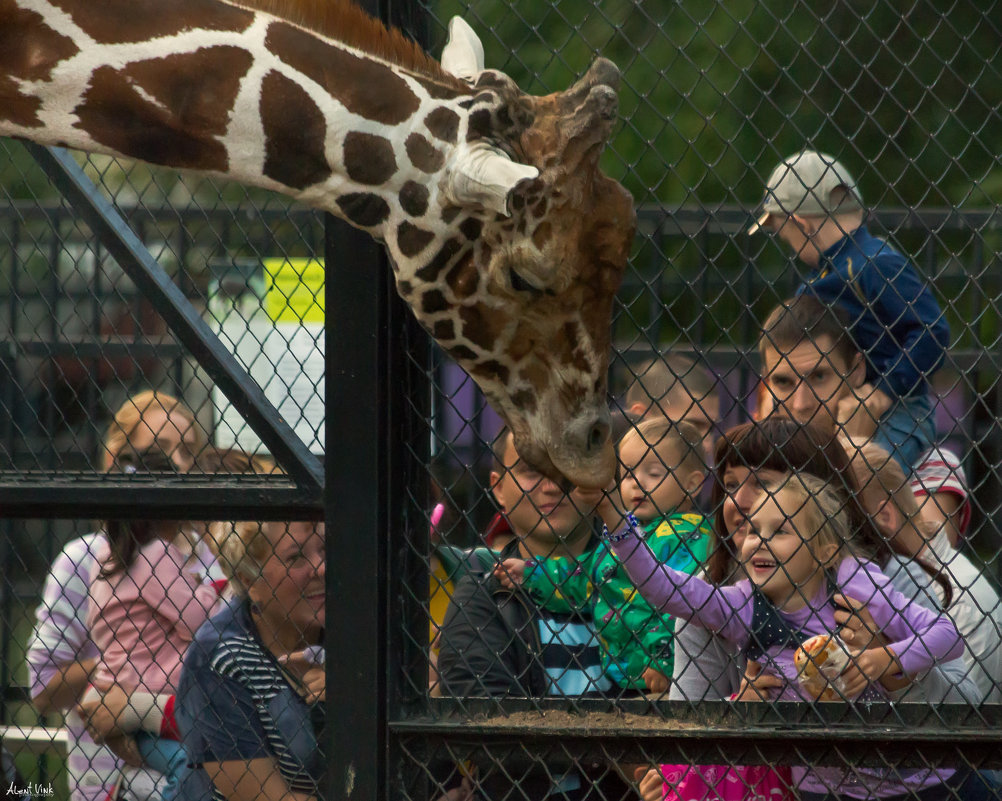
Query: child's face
{"x": 779, "y": 552}
{"x": 653, "y": 483}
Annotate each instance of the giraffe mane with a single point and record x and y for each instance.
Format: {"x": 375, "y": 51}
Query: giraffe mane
{"x": 348, "y": 23}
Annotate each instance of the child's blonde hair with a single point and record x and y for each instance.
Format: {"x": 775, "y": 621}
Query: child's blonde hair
{"x": 242, "y": 546}
{"x": 660, "y": 434}
{"x": 826, "y": 511}
{"x": 881, "y": 478}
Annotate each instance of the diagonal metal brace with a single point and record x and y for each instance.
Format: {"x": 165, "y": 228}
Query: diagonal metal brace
{"x": 188, "y": 326}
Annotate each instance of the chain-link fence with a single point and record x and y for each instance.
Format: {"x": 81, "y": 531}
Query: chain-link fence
{"x": 446, "y": 682}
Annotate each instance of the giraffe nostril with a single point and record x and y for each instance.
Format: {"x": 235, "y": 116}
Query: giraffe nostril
{"x": 598, "y": 435}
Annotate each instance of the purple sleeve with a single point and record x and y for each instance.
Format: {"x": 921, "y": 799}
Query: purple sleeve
{"x": 726, "y": 611}
{"x": 920, "y": 637}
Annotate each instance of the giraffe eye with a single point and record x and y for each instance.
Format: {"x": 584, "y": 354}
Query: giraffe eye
{"x": 519, "y": 284}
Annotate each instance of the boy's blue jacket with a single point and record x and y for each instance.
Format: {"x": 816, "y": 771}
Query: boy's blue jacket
{"x": 894, "y": 318}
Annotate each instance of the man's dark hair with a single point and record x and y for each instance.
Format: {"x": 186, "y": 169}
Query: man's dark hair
{"x": 804, "y": 318}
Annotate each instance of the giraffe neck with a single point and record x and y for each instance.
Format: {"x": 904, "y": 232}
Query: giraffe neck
{"x": 232, "y": 92}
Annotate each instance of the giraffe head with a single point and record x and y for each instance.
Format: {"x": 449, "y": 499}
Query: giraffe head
{"x": 531, "y": 304}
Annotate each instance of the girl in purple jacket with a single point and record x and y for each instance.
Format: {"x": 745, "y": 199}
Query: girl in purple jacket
{"x": 797, "y": 555}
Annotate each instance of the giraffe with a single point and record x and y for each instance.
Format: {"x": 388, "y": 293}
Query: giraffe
{"x": 505, "y": 238}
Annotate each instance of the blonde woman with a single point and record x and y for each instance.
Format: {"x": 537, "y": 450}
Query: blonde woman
{"x": 246, "y": 715}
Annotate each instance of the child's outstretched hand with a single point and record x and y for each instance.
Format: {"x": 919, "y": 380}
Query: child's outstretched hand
{"x": 511, "y": 573}
{"x": 867, "y": 667}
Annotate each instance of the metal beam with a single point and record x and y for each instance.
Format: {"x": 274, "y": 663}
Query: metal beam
{"x": 182, "y": 319}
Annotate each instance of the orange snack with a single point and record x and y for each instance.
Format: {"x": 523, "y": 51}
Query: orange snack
{"x": 819, "y": 662}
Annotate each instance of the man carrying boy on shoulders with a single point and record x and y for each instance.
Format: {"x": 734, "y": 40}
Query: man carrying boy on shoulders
{"x": 813, "y": 205}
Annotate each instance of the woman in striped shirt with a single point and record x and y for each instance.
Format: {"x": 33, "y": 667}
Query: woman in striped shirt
{"x": 249, "y": 731}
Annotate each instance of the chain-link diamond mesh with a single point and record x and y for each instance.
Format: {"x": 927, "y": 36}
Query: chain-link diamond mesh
{"x": 793, "y": 614}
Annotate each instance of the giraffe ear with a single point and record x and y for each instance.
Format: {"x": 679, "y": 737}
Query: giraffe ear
{"x": 483, "y": 175}
{"x": 463, "y": 54}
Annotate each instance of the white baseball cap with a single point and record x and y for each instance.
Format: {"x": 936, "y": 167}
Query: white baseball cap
{"x": 803, "y": 184}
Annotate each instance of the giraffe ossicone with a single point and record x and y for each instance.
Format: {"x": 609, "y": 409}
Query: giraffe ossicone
{"x": 506, "y": 239}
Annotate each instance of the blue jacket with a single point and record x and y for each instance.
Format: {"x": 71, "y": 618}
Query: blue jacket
{"x": 893, "y": 317}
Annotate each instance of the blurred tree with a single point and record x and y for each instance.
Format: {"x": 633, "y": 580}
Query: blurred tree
{"x": 907, "y": 94}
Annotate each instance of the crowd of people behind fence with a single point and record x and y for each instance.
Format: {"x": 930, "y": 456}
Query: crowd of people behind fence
{"x": 815, "y": 553}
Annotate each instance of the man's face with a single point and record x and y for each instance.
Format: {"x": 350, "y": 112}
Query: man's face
{"x": 808, "y": 381}
{"x": 536, "y": 507}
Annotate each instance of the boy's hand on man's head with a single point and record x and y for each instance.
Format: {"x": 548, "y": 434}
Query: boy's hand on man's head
{"x": 859, "y": 412}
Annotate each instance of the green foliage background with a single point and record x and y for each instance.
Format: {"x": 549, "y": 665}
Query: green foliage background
{"x": 714, "y": 93}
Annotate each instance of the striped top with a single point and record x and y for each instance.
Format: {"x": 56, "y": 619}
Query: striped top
{"x": 60, "y": 639}
{"x": 941, "y": 470}
{"x": 571, "y": 656}
{"x": 234, "y": 703}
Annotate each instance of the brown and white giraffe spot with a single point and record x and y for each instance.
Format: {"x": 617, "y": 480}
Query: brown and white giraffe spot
{"x": 120, "y": 21}
{"x": 443, "y": 330}
{"x": 464, "y": 279}
{"x": 147, "y": 110}
{"x": 471, "y": 228}
{"x": 362, "y": 85}
{"x": 431, "y": 272}
{"x": 368, "y": 158}
{"x": 440, "y": 91}
{"x": 414, "y": 199}
{"x": 434, "y": 302}
{"x": 412, "y": 240}
{"x": 525, "y": 400}
{"x": 477, "y": 325}
{"x": 542, "y": 234}
{"x": 478, "y": 125}
{"x": 294, "y": 133}
{"x": 26, "y": 58}
{"x": 443, "y": 123}
{"x": 364, "y": 208}
{"x": 449, "y": 213}
{"x": 461, "y": 353}
{"x": 491, "y": 369}
{"x": 522, "y": 342}
{"x": 423, "y": 153}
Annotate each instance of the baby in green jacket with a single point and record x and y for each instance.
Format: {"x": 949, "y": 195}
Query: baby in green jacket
{"x": 663, "y": 469}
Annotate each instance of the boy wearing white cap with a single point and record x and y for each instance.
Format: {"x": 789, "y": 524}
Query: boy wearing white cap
{"x": 812, "y": 204}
